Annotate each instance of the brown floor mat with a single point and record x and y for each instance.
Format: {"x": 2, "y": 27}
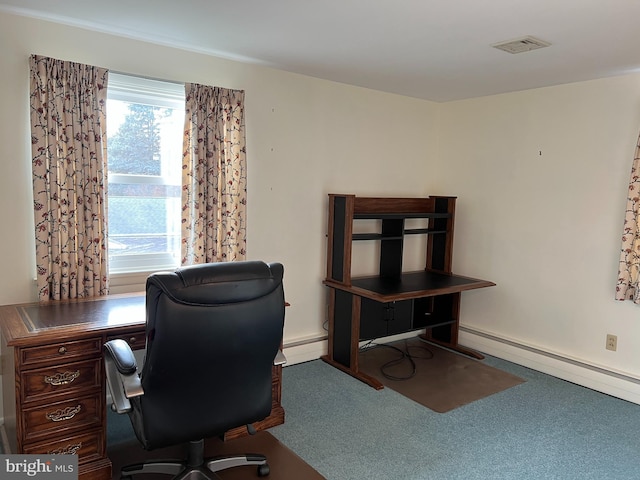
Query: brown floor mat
{"x": 442, "y": 382}
{"x": 284, "y": 464}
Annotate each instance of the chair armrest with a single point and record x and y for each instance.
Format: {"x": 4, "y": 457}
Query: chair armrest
{"x": 122, "y": 374}
{"x": 280, "y": 358}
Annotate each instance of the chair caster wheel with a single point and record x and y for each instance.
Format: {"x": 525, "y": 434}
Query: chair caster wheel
{"x": 263, "y": 470}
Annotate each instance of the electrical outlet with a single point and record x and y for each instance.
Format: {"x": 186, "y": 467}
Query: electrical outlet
{"x": 612, "y": 342}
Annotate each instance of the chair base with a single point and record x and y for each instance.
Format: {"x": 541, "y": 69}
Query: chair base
{"x": 196, "y": 467}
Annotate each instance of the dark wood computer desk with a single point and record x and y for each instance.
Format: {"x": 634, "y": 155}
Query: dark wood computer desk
{"x": 53, "y": 380}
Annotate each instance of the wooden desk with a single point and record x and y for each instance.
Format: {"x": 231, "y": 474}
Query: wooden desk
{"x": 394, "y": 301}
{"x": 53, "y": 379}
{"x": 374, "y": 307}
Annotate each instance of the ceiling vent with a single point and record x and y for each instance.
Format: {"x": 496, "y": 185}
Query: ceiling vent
{"x": 519, "y": 45}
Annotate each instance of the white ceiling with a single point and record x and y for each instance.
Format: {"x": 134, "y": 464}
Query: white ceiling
{"x": 438, "y": 50}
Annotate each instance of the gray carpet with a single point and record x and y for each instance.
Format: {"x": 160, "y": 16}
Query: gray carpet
{"x": 544, "y": 428}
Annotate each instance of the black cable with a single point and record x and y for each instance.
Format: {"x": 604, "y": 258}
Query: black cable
{"x": 392, "y": 363}
{"x": 404, "y": 355}
{"x": 421, "y": 347}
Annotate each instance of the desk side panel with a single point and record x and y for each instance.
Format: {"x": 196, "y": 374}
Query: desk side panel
{"x": 9, "y": 381}
{"x": 342, "y": 338}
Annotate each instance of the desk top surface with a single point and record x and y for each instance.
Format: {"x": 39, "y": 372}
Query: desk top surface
{"x": 24, "y": 322}
{"x": 410, "y": 285}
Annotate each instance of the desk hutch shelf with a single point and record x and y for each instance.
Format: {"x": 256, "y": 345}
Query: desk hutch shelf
{"x": 394, "y": 301}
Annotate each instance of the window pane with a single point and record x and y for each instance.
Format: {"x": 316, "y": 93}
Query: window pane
{"x": 142, "y": 139}
{"x": 144, "y": 219}
{"x": 144, "y": 153}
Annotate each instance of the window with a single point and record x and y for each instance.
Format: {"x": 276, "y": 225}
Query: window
{"x": 145, "y": 120}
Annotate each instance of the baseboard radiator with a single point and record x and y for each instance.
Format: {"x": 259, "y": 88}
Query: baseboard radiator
{"x": 618, "y": 384}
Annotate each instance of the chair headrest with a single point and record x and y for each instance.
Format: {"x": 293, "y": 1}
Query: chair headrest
{"x": 215, "y": 283}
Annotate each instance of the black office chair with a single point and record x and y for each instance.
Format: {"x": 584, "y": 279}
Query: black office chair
{"x": 213, "y": 333}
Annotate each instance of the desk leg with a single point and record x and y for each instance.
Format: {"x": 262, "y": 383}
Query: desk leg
{"x": 363, "y": 377}
{"x": 344, "y": 336}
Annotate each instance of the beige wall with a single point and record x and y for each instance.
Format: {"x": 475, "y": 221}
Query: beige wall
{"x": 540, "y": 177}
{"x": 305, "y": 138}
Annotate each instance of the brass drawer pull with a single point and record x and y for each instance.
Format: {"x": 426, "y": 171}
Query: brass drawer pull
{"x": 61, "y": 378}
{"x": 62, "y": 350}
{"x": 132, "y": 340}
{"x": 68, "y": 450}
{"x": 63, "y": 414}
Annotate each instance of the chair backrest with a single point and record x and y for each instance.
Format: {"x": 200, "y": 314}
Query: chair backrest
{"x": 213, "y": 331}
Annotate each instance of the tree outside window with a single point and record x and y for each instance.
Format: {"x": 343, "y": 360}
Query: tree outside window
{"x": 144, "y": 145}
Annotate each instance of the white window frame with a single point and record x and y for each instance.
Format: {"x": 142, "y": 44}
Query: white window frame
{"x": 162, "y": 94}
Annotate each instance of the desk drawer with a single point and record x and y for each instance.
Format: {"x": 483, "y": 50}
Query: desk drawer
{"x": 136, "y": 340}
{"x": 62, "y": 418}
{"x": 88, "y": 446}
{"x": 61, "y": 379}
{"x": 61, "y": 351}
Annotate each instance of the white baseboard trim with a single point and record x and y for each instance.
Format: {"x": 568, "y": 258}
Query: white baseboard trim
{"x": 300, "y": 352}
{"x": 618, "y": 384}
{"x": 312, "y": 348}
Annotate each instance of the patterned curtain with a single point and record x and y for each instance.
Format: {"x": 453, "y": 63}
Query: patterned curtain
{"x": 628, "y": 287}
{"x": 68, "y": 136}
{"x": 214, "y": 179}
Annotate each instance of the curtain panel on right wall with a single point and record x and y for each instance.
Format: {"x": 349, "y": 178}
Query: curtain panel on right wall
{"x": 628, "y": 287}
